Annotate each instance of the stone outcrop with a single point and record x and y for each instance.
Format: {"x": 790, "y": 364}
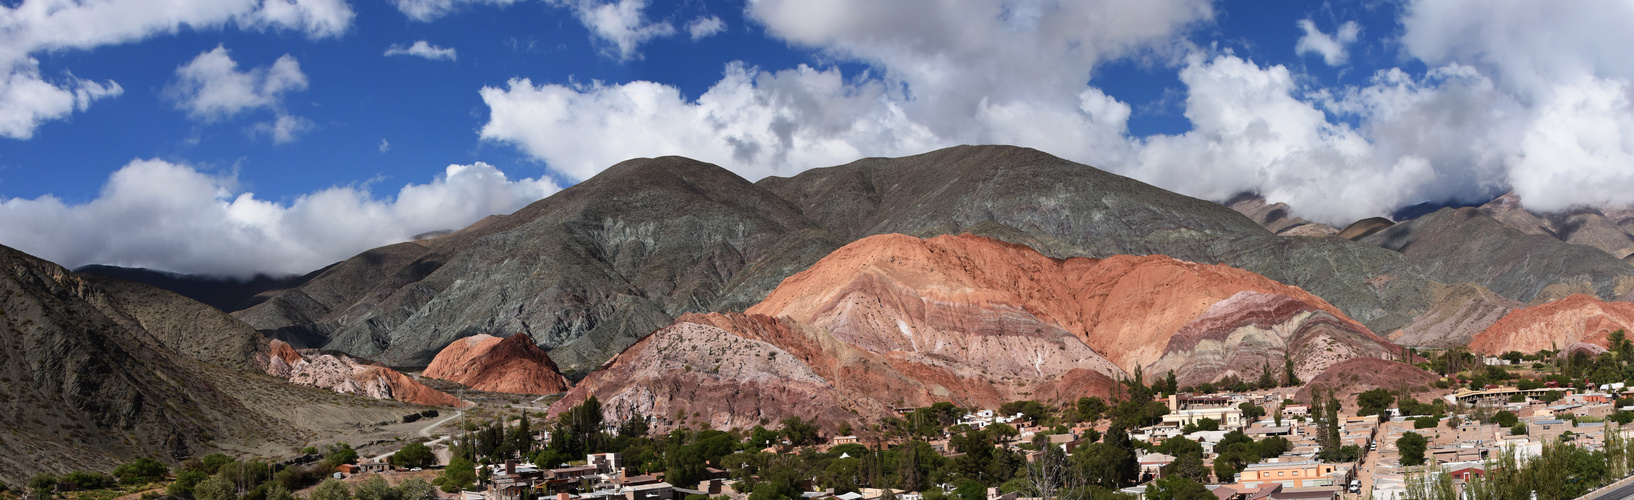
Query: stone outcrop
{"x": 1555, "y": 325}
{"x": 894, "y": 320}
{"x": 487, "y": 363}
{"x": 347, "y": 376}
{"x": 1609, "y": 229}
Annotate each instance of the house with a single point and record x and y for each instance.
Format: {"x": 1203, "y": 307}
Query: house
{"x": 839, "y": 440}
{"x": 654, "y": 491}
{"x": 605, "y": 463}
{"x": 347, "y": 469}
{"x": 1291, "y": 474}
{"x": 374, "y": 467}
{"x": 1296, "y": 411}
{"x": 1154, "y": 463}
{"x": 1466, "y": 470}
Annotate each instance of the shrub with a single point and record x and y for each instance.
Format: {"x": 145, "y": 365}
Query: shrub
{"x": 142, "y": 471}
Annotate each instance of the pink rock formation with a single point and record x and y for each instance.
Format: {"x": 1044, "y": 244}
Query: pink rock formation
{"x": 893, "y": 320}
{"x": 493, "y": 364}
{"x": 1554, "y": 325}
{"x": 343, "y": 375}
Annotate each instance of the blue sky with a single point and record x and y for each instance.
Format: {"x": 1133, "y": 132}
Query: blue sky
{"x": 241, "y": 136}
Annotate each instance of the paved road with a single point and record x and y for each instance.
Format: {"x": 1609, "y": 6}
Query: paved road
{"x": 1616, "y": 493}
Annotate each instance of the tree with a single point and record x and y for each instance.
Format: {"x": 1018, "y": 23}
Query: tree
{"x": 86, "y": 481}
{"x": 1091, "y": 408}
{"x": 579, "y": 430}
{"x": 1251, "y": 411}
{"x": 1519, "y": 429}
{"x": 212, "y": 463}
{"x": 799, "y": 432}
{"x": 182, "y": 487}
{"x": 374, "y": 488}
{"x": 417, "y": 455}
{"x": 42, "y": 485}
{"x": 1189, "y": 466}
{"x": 1178, "y": 488}
{"x": 277, "y": 491}
{"x": 1374, "y": 402}
{"x": 329, "y": 489}
{"x": 220, "y": 488}
{"x": 413, "y": 489}
{"x": 1412, "y": 447}
{"x": 460, "y": 474}
{"x": 1289, "y": 378}
{"x": 1505, "y": 418}
{"x": 141, "y": 471}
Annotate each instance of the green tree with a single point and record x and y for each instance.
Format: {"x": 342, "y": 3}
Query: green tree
{"x": 212, "y": 463}
{"x": 461, "y": 474}
{"x": 42, "y": 485}
{"x": 1519, "y": 429}
{"x": 329, "y": 489}
{"x": 217, "y": 488}
{"x": 417, "y": 455}
{"x": 182, "y": 487}
{"x": 1091, "y": 408}
{"x": 1251, "y": 411}
{"x": 413, "y": 489}
{"x": 141, "y": 471}
{"x": 1374, "y": 402}
{"x": 1289, "y": 378}
{"x": 1505, "y": 418}
{"x": 799, "y": 432}
{"x": 579, "y": 430}
{"x": 1189, "y": 466}
{"x": 1178, "y": 488}
{"x": 1412, "y": 448}
{"x": 374, "y": 488}
{"x": 86, "y": 481}
{"x": 277, "y": 491}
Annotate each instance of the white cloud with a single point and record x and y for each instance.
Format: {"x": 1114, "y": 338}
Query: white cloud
{"x": 283, "y": 129}
{"x": 210, "y": 87}
{"x": 427, "y": 10}
{"x": 40, "y": 26}
{"x": 157, "y": 214}
{"x": 27, "y": 100}
{"x": 384, "y": 146}
{"x": 705, "y": 27}
{"x": 1018, "y": 78}
{"x": 620, "y": 23}
{"x": 422, "y": 49}
{"x": 1331, "y": 47}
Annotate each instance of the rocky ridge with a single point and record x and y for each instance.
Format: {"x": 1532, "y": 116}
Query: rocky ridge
{"x": 345, "y": 375}
{"x": 1555, "y": 325}
{"x": 487, "y": 363}
{"x": 966, "y": 319}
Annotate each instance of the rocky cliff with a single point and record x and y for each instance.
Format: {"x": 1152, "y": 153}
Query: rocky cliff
{"x": 488, "y": 363}
{"x": 347, "y": 376}
{"x": 1555, "y": 325}
{"x": 1609, "y": 229}
{"x": 894, "y": 320}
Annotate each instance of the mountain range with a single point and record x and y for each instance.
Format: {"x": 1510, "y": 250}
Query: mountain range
{"x": 976, "y": 274}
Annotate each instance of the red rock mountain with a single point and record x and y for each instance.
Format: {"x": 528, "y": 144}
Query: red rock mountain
{"x": 1349, "y": 378}
{"x": 894, "y": 320}
{"x": 1555, "y": 325}
{"x": 487, "y": 363}
{"x": 344, "y": 375}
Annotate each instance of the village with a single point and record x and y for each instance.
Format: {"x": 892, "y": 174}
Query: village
{"x": 1394, "y": 451}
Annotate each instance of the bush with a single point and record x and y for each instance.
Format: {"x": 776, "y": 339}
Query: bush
{"x": 142, "y": 471}
{"x": 86, "y": 481}
{"x": 42, "y": 485}
{"x": 1426, "y": 422}
{"x": 182, "y": 487}
{"x": 330, "y": 489}
{"x": 1518, "y": 430}
{"x": 215, "y": 488}
{"x": 212, "y": 463}
{"x": 1505, "y": 418}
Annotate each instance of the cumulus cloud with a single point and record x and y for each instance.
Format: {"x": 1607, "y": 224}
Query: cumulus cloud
{"x": 1502, "y": 105}
{"x": 621, "y": 23}
{"x": 384, "y": 146}
{"x": 1019, "y": 78}
{"x": 1330, "y": 47}
{"x": 211, "y": 88}
{"x": 28, "y": 99}
{"x": 157, "y": 214}
{"x": 428, "y": 10}
{"x": 705, "y": 27}
{"x": 422, "y": 49}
